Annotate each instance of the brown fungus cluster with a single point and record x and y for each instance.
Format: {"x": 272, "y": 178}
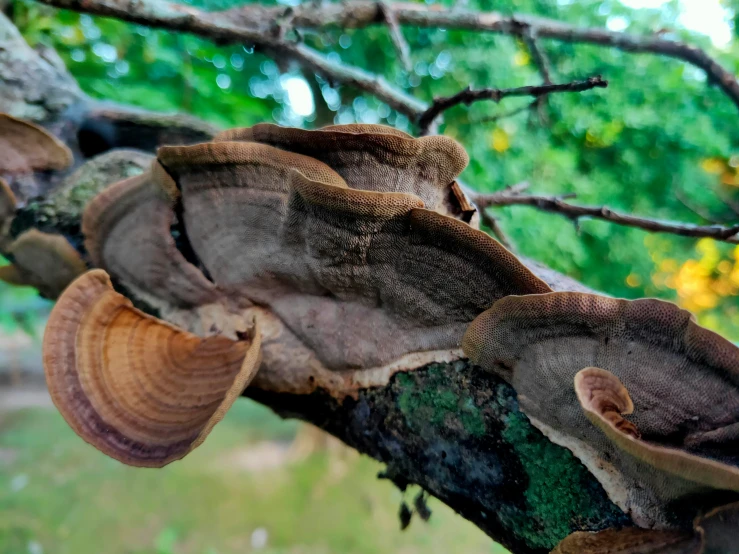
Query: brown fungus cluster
{"x": 349, "y": 247}
{"x": 343, "y": 255}
{"x": 647, "y": 399}
{"x": 25, "y": 148}
{"x": 42, "y": 260}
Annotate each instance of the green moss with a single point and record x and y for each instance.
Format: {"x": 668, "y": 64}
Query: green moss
{"x": 438, "y": 403}
{"x": 560, "y": 495}
{"x": 89, "y": 181}
{"x": 61, "y": 211}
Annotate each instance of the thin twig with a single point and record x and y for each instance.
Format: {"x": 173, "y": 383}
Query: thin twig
{"x": 703, "y": 213}
{"x": 541, "y": 60}
{"x": 504, "y": 115}
{"x": 573, "y": 212}
{"x": 468, "y": 96}
{"x": 396, "y": 34}
{"x": 491, "y": 221}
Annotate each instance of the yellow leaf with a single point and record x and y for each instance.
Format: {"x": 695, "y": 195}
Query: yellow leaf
{"x": 500, "y": 141}
{"x": 713, "y": 165}
{"x": 521, "y": 58}
{"x": 668, "y": 265}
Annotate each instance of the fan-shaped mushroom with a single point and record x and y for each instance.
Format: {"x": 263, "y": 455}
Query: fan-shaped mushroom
{"x": 352, "y": 279}
{"x": 631, "y": 540}
{"x": 375, "y": 158}
{"x": 25, "y": 147}
{"x": 684, "y": 382}
{"x": 127, "y": 230}
{"x": 135, "y": 387}
{"x": 605, "y": 401}
{"x": 44, "y": 261}
{"x": 234, "y": 198}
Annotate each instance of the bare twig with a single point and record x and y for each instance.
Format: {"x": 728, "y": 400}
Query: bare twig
{"x": 541, "y": 60}
{"x": 491, "y": 221}
{"x": 573, "y": 212}
{"x": 362, "y": 13}
{"x": 468, "y": 96}
{"x": 396, "y": 34}
{"x": 701, "y": 212}
{"x": 231, "y": 27}
{"x": 222, "y": 28}
{"x": 506, "y": 114}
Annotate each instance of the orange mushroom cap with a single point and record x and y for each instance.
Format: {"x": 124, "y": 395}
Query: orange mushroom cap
{"x": 136, "y": 388}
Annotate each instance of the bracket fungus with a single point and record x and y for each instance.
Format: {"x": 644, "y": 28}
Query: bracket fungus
{"x": 631, "y": 540}
{"x": 353, "y": 284}
{"x": 127, "y": 230}
{"x": 135, "y": 387}
{"x": 581, "y": 362}
{"x": 44, "y": 261}
{"x": 377, "y": 158}
{"x": 25, "y": 148}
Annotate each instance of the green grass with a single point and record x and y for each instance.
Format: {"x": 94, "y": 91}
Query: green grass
{"x": 60, "y": 496}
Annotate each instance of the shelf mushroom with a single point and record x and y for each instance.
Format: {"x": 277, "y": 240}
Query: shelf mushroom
{"x": 127, "y": 233}
{"x": 135, "y": 387}
{"x": 348, "y": 286}
{"x": 44, "y": 261}
{"x": 631, "y": 540}
{"x": 357, "y": 284}
{"x": 40, "y": 259}
{"x": 25, "y": 148}
{"x": 582, "y": 363}
{"x": 377, "y": 158}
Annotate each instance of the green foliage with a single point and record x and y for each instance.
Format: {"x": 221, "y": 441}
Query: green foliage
{"x": 639, "y": 146}
{"x": 22, "y": 309}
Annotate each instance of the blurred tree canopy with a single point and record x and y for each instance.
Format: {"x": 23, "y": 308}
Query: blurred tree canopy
{"x": 659, "y": 141}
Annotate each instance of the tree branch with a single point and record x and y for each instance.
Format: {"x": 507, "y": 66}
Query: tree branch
{"x": 541, "y": 60}
{"x": 556, "y": 204}
{"x": 539, "y": 56}
{"x": 233, "y": 26}
{"x": 220, "y": 27}
{"x": 363, "y": 13}
{"x": 468, "y": 96}
{"x": 396, "y": 34}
